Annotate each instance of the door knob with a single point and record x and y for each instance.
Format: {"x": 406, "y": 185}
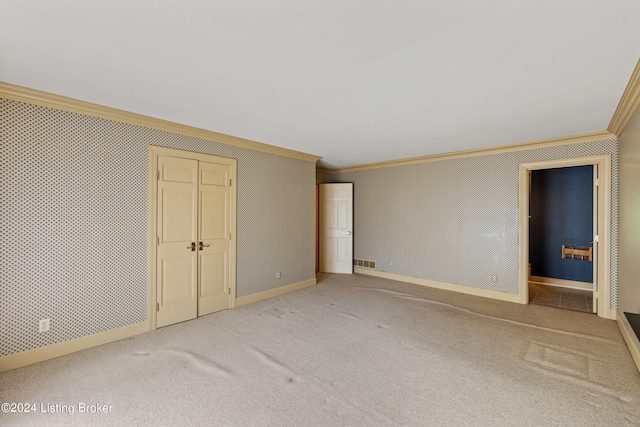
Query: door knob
{"x": 203, "y": 245}
{"x": 192, "y": 247}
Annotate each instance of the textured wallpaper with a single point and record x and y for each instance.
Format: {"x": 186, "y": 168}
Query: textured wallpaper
{"x": 629, "y": 276}
{"x": 456, "y": 221}
{"x": 73, "y": 202}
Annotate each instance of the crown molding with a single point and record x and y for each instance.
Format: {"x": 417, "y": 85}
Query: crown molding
{"x": 33, "y": 96}
{"x": 575, "y": 139}
{"x": 628, "y": 103}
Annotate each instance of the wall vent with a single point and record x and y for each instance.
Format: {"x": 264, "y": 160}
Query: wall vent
{"x": 364, "y": 263}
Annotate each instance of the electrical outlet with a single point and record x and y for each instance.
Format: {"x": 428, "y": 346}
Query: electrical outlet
{"x": 494, "y": 278}
{"x": 277, "y": 274}
{"x": 43, "y": 325}
{"x": 390, "y": 262}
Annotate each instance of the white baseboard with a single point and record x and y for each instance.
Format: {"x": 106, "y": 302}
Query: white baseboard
{"x": 629, "y": 337}
{"x": 561, "y": 283}
{"x": 274, "y": 292}
{"x": 443, "y": 285}
{"x": 41, "y": 354}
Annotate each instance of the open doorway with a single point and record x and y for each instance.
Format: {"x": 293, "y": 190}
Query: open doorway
{"x": 561, "y": 230}
{"x": 601, "y": 214}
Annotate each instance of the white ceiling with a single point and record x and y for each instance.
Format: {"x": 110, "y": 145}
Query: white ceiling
{"x": 354, "y": 81}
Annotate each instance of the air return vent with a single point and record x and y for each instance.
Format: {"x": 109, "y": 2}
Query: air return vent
{"x": 364, "y": 263}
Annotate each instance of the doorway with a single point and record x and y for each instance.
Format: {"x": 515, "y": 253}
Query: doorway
{"x": 601, "y": 226}
{"x": 192, "y": 234}
{"x": 561, "y": 225}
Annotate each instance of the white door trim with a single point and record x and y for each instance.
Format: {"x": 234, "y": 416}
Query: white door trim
{"x": 152, "y": 219}
{"x": 603, "y": 260}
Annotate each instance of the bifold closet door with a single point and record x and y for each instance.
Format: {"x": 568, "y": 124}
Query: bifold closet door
{"x": 194, "y": 234}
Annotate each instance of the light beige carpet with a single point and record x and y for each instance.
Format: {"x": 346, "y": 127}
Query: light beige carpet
{"x": 353, "y": 350}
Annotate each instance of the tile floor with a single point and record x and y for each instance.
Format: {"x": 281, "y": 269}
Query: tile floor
{"x": 566, "y": 298}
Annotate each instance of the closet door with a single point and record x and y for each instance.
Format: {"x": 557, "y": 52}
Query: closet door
{"x": 176, "y": 264}
{"x": 214, "y": 237}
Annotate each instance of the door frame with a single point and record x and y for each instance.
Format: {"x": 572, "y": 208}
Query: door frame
{"x": 603, "y": 254}
{"x": 152, "y": 219}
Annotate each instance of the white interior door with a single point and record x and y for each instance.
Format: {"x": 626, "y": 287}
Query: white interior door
{"x": 336, "y": 228}
{"x": 176, "y": 263}
{"x": 214, "y": 237}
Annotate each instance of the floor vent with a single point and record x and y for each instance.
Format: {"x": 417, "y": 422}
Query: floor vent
{"x": 364, "y": 263}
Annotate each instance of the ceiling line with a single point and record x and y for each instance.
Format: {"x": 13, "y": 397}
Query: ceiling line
{"x": 36, "y": 97}
{"x": 574, "y": 139}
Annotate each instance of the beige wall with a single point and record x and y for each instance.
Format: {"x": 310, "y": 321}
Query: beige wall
{"x": 629, "y": 244}
{"x": 323, "y": 177}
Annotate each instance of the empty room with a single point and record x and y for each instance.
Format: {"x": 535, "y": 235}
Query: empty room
{"x": 330, "y": 213}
